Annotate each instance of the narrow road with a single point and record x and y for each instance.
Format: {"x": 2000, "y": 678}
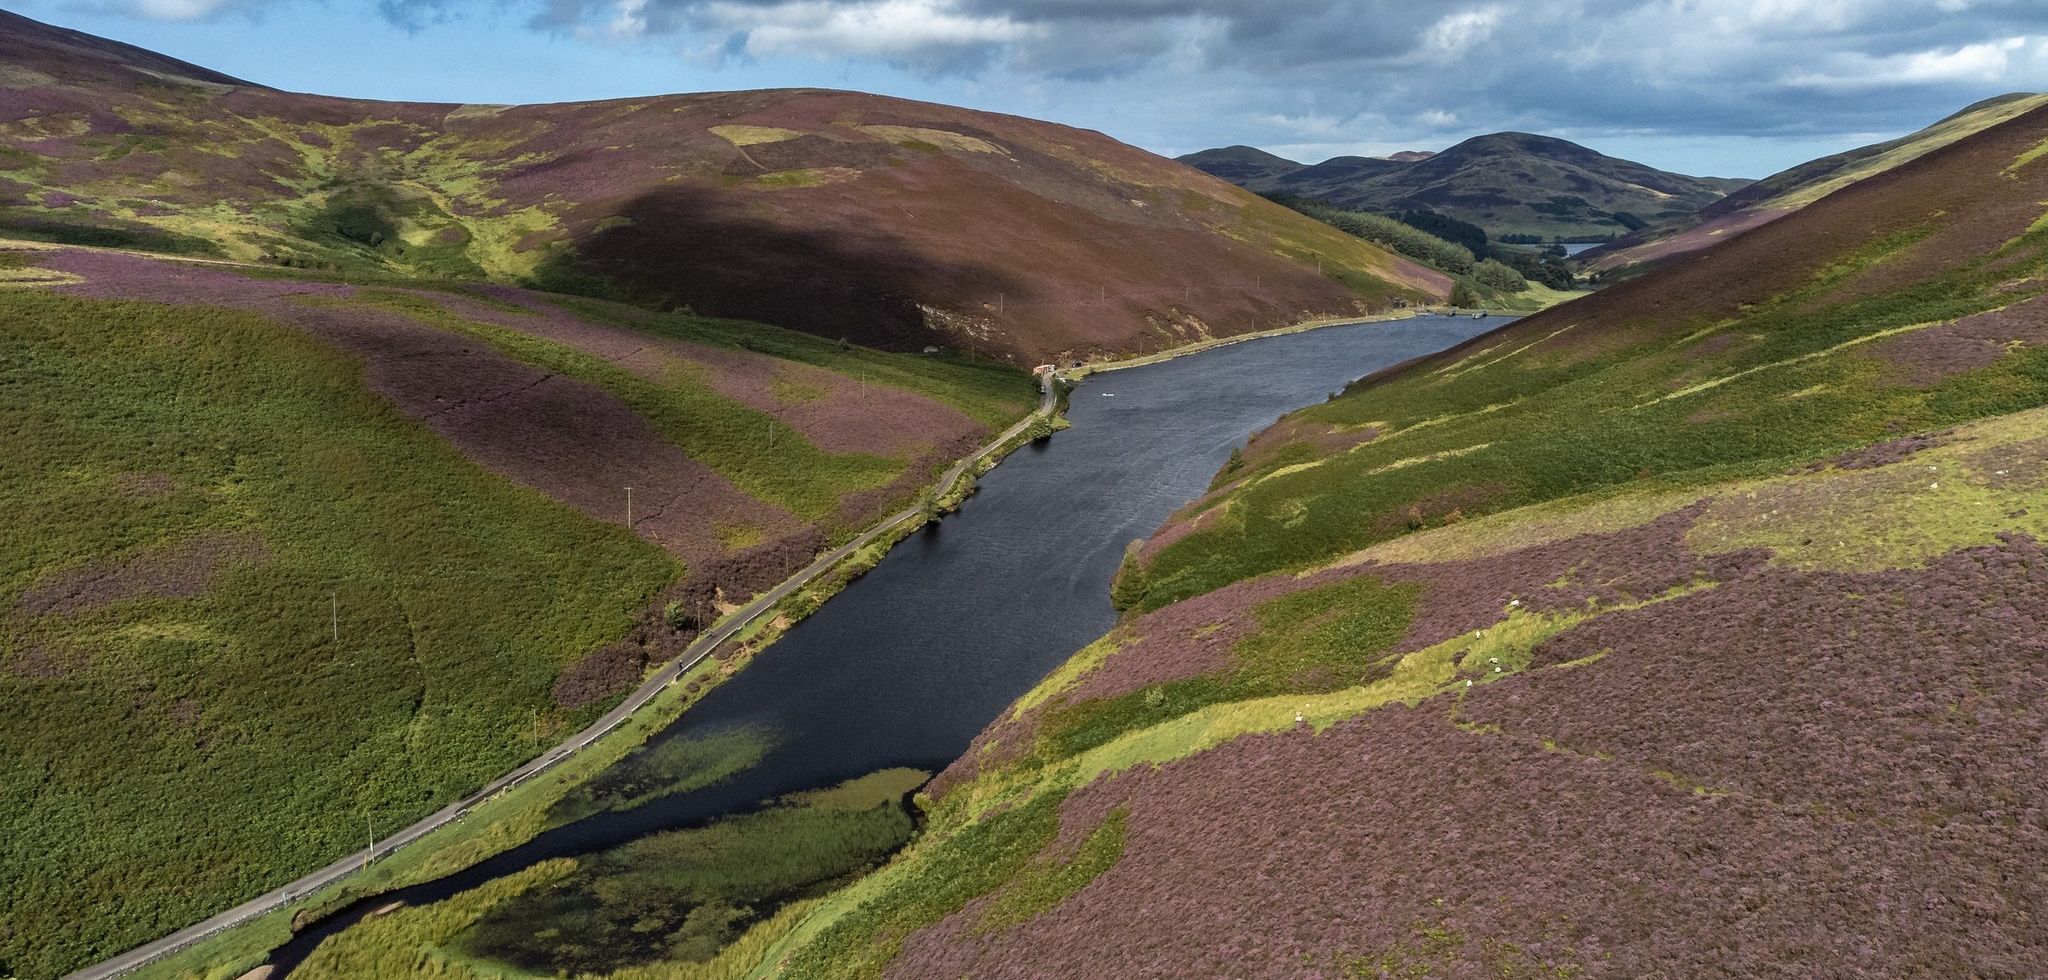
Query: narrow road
{"x": 691, "y": 656}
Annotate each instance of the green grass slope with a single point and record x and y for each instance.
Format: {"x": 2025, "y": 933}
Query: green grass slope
{"x": 1707, "y": 606}
{"x": 889, "y": 222}
{"x": 272, "y": 581}
{"x": 1782, "y": 193}
{"x": 1773, "y": 350}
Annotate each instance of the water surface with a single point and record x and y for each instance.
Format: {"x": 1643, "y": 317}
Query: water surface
{"x": 911, "y": 661}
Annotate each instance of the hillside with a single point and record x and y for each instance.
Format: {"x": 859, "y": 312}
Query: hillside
{"x": 1506, "y": 183}
{"x": 1780, "y": 194}
{"x": 1694, "y": 628}
{"x": 290, "y": 560}
{"x": 1246, "y": 166}
{"x": 888, "y": 222}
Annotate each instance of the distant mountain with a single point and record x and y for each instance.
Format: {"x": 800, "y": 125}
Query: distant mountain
{"x": 1506, "y": 183}
{"x": 1245, "y": 166}
{"x": 889, "y": 222}
{"x": 1781, "y": 194}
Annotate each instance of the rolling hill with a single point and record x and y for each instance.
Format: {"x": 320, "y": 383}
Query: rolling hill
{"x": 290, "y": 559}
{"x": 1693, "y": 628}
{"x": 1506, "y": 183}
{"x": 888, "y": 222}
{"x": 1780, "y": 194}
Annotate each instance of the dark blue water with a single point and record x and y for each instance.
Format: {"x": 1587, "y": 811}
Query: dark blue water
{"x": 911, "y": 661}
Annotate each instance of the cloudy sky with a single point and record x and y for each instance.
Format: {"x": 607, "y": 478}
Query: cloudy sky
{"x": 1722, "y": 87}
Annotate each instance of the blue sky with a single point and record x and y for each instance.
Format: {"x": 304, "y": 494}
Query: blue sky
{"x": 1723, "y": 87}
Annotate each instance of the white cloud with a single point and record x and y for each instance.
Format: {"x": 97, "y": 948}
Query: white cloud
{"x": 1987, "y": 62}
{"x": 1459, "y": 32}
{"x": 883, "y": 29}
{"x": 630, "y": 21}
{"x": 1811, "y": 14}
{"x": 176, "y": 9}
{"x": 1320, "y": 75}
{"x": 1310, "y": 125}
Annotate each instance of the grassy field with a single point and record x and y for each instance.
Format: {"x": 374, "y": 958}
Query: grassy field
{"x": 505, "y": 821}
{"x": 985, "y": 391}
{"x": 762, "y": 455}
{"x": 256, "y": 611}
{"x": 191, "y": 493}
{"x": 612, "y": 775}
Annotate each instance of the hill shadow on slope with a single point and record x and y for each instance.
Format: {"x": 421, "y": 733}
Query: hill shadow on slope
{"x": 698, "y": 248}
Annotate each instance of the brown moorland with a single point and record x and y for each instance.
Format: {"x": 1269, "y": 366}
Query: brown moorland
{"x": 889, "y": 222}
{"x": 1780, "y": 194}
{"x": 571, "y": 437}
{"x": 1691, "y": 629}
{"x": 1753, "y": 781}
{"x": 290, "y": 555}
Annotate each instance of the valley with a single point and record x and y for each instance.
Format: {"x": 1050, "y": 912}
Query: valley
{"x": 791, "y": 532}
{"x": 900, "y": 670}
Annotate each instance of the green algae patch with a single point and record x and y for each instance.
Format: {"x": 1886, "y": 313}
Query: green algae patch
{"x": 402, "y": 941}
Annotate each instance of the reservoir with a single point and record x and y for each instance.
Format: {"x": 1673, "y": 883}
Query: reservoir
{"x": 912, "y": 660}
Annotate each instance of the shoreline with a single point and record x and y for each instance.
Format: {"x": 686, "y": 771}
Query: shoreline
{"x": 742, "y": 624}
{"x": 629, "y": 709}
{"x": 1203, "y": 346}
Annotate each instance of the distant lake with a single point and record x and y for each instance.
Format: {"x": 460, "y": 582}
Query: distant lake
{"x": 1570, "y": 248}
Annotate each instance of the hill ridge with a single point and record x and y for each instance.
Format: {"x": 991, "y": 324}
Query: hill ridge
{"x": 1509, "y": 183}
{"x": 886, "y": 221}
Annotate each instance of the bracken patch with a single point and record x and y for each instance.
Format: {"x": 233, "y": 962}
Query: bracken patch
{"x": 178, "y": 570}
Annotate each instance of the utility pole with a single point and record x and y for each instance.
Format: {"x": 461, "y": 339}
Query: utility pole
{"x": 371, "y": 851}
{"x": 629, "y": 508}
